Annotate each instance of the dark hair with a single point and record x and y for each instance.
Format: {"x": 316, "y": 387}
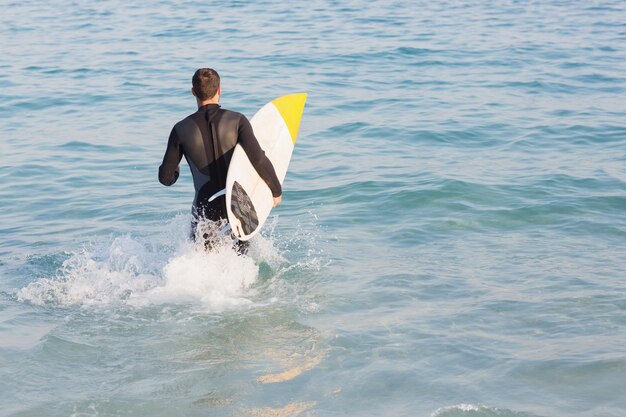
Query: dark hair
{"x": 205, "y": 83}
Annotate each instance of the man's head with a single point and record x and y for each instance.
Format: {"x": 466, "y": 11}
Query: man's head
{"x": 206, "y": 84}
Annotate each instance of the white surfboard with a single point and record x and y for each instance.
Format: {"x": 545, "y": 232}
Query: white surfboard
{"x": 248, "y": 198}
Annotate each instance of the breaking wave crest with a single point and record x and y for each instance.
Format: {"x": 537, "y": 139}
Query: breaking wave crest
{"x": 477, "y": 410}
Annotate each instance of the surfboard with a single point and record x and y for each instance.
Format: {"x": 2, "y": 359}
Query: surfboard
{"x": 248, "y": 198}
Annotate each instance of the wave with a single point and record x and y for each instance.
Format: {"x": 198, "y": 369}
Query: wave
{"x": 477, "y": 410}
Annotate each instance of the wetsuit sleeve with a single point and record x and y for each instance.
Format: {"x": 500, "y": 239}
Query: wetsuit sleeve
{"x": 257, "y": 156}
{"x": 170, "y": 169}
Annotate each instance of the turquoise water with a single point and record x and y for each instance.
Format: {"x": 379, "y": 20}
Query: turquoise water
{"x": 451, "y": 240}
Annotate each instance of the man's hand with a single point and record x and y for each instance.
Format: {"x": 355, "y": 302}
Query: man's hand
{"x": 277, "y": 200}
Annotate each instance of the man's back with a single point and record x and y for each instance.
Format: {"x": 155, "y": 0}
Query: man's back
{"x": 207, "y": 139}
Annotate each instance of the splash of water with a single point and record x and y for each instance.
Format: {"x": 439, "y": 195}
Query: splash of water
{"x": 130, "y": 271}
{"x": 171, "y": 269}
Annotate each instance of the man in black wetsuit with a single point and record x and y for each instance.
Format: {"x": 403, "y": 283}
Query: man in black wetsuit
{"x": 207, "y": 139}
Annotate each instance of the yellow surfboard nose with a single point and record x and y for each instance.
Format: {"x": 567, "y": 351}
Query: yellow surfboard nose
{"x": 291, "y": 108}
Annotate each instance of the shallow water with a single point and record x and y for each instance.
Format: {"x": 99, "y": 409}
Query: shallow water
{"x": 450, "y": 241}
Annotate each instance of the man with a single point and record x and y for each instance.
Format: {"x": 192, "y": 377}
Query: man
{"x": 207, "y": 139}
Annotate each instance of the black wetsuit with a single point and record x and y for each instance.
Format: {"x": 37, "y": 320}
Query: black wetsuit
{"x": 207, "y": 139}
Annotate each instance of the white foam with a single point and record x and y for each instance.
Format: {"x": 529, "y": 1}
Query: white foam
{"x": 129, "y": 271}
{"x": 95, "y": 275}
{"x": 218, "y": 280}
{"x": 170, "y": 269}
{"x": 459, "y": 407}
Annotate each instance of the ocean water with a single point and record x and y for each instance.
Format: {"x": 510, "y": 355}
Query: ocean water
{"x": 451, "y": 241}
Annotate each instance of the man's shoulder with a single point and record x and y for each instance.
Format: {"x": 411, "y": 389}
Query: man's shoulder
{"x": 186, "y": 127}
{"x": 223, "y": 114}
{"x": 232, "y": 113}
{"x": 232, "y": 116}
{"x": 185, "y": 122}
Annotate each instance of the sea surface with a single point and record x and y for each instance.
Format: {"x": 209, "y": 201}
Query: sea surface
{"x": 452, "y": 237}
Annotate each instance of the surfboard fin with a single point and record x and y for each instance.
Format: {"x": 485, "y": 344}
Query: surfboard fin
{"x": 217, "y": 194}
